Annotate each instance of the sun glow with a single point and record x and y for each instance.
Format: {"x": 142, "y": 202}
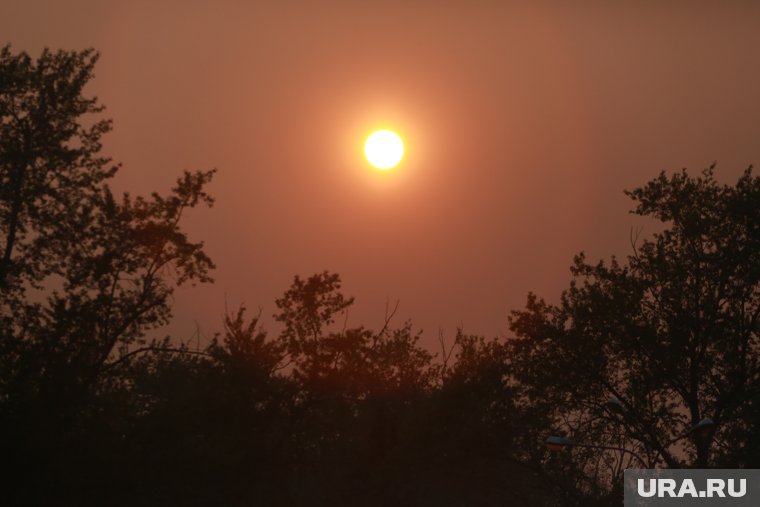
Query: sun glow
{"x": 384, "y": 149}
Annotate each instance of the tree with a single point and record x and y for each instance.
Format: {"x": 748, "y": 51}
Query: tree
{"x": 671, "y": 335}
{"x": 355, "y": 359}
{"x": 83, "y": 274}
{"x": 358, "y": 391}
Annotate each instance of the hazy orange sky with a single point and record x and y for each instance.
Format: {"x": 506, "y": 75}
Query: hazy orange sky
{"x": 523, "y": 122}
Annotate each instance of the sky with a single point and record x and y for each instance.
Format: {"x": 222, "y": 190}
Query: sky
{"x": 523, "y": 123}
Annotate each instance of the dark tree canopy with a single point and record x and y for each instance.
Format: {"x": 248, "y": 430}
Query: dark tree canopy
{"x": 50, "y": 168}
{"x": 96, "y": 411}
{"x": 671, "y": 334}
{"x": 83, "y": 274}
{"x": 81, "y": 270}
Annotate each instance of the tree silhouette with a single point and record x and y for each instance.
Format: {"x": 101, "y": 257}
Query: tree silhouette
{"x": 355, "y": 360}
{"x": 671, "y": 336}
{"x": 83, "y": 274}
{"x": 95, "y": 412}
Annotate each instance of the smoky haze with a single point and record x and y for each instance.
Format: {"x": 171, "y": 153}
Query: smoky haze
{"x": 523, "y": 124}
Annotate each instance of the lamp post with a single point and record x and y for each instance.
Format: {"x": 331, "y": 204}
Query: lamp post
{"x": 702, "y": 430}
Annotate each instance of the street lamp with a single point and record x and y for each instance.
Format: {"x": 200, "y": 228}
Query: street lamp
{"x": 555, "y": 443}
{"x": 703, "y": 427}
{"x": 614, "y": 405}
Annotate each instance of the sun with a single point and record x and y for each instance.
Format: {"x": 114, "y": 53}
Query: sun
{"x": 384, "y": 149}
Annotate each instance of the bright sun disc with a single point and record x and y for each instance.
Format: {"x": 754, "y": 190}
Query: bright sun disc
{"x": 384, "y": 149}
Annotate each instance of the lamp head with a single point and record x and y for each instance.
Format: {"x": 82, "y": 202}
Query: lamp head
{"x": 614, "y": 406}
{"x": 704, "y": 427}
{"x": 555, "y": 443}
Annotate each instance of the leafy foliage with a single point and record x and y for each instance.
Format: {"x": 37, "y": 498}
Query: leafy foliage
{"x": 672, "y": 335}
{"x": 83, "y": 275}
{"x": 93, "y": 411}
